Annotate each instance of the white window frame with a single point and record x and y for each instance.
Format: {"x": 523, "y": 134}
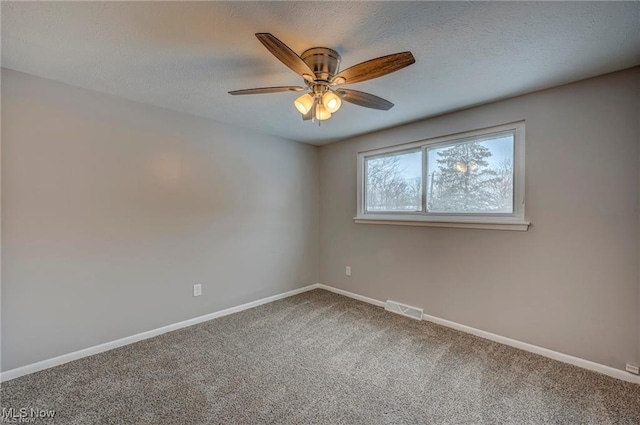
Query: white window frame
{"x": 499, "y": 221}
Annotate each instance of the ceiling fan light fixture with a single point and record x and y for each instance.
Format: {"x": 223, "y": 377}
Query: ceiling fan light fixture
{"x": 319, "y": 67}
{"x": 331, "y": 101}
{"x": 304, "y": 103}
{"x": 322, "y": 113}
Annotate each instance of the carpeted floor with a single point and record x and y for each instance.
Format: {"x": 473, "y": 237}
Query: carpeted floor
{"x": 321, "y": 358}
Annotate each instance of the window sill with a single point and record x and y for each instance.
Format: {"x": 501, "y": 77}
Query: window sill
{"x": 519, "y": 226}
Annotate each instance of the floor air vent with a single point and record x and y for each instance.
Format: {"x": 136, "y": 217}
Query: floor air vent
{"x": 405, "y": 310}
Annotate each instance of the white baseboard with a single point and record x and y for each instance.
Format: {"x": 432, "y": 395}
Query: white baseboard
{"x": 565, "y": 358}
{"x": 65, "y": 358}
{"x": 350, "y": 295}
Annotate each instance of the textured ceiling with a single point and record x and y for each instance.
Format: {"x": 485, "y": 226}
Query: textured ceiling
{"x": 185, "y": 56}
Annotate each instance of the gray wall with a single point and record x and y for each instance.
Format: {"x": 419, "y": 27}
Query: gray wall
{"x": 570, "y": 283}
{"x": 112, "y": 210}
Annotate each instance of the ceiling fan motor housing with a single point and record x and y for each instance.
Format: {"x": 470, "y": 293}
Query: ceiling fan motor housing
{"x": 324, "y": 62}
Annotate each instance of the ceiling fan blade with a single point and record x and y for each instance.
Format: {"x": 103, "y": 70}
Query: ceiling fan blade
{"x": 312, "y": 111}
{"x": 374, "y": 68}
{"x": 309, "y": 115}
{"x": 286, "y": 55}
{"x": 364, "y": 99}
{"x": 263, "y": 90}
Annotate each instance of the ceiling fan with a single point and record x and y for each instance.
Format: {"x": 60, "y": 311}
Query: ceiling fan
{"x": 319, "y": 68}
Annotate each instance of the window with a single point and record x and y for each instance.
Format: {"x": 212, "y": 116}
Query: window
{"x": 474, "y": 179}
{"x": 394, "y": 182}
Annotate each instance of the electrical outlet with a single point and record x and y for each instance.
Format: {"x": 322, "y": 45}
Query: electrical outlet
{"x": 347, "y": 271}
{"x": 197, "y": 290}
{"x": 632, "y": 368}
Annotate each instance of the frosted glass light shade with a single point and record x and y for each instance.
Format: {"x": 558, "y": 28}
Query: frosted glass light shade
{"x": 304, "y": 103}
{"x": 331, "y": 101}
{"x": 322, "y": 113}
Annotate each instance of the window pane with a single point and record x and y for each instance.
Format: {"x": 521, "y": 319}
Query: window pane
{"x": 394, "y": 182}
{"x": 471, "y": 177}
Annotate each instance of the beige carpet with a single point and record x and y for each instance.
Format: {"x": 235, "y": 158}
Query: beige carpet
{"x": 320, "y": 358}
